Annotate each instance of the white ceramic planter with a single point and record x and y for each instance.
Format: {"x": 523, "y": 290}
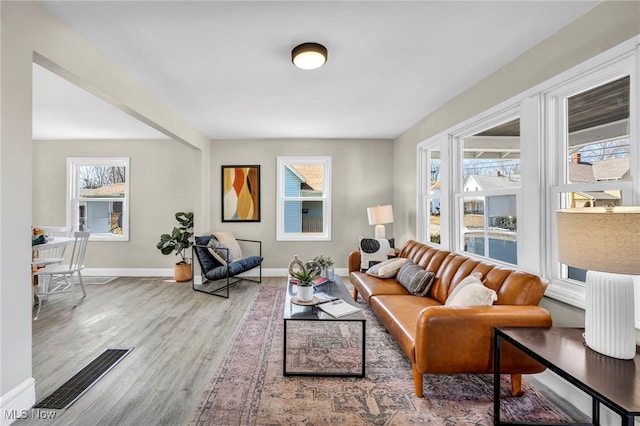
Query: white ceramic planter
{"x": 305, "y": 293}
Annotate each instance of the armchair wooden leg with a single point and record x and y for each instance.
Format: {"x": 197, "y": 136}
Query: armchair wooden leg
{"x": 417, "y": 381}
{"x": 516, "y": 385}
{"x": 355, "y": 294}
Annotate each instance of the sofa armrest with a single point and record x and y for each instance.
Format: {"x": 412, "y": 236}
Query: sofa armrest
{"x": 452, "y": 339}
{"x": 354, "y": 261}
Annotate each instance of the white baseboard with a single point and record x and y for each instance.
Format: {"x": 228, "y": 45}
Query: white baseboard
{"x": 17, "y": 403}
{"x": 574, "y": 396}
{"x": 168, "y": 272}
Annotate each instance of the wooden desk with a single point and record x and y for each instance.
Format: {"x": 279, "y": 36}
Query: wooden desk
{"x": 610, "y": 381}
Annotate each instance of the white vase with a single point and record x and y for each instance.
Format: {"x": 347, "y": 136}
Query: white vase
{"x": 305, "y": 293}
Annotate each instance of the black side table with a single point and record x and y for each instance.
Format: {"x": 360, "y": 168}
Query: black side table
{"x": 610, "y": 381}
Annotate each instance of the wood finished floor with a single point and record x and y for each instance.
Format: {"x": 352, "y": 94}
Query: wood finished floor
{"x": 179, "y": 337}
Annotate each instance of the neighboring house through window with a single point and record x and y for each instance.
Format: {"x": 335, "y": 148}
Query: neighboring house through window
{"x": 98, "y": 197}
{"x": 304, "y": 198}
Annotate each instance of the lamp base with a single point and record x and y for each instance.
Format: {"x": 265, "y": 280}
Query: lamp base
{"x": 379, "y": 232}
{"x": 609, "y": 314}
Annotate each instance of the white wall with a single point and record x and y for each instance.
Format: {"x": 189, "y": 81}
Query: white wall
{"x": 361, "y": 177}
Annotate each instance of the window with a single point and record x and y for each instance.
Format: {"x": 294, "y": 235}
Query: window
{"x": 571, "y": 141}
{"x": 98, "y": 197}
{"x": 304, "y": 199}
{"x": 489, "y": 187}
{"x": 432, "y": 187}
{"x": 591, "y": 126}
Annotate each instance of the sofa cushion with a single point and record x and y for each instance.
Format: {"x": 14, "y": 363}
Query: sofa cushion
{"x": 374, "y": 250}
{"x": 235, "y": 268}
{"x": 474, "y": 278}
{"x": 207, "y": 261}
{"x": 415, "y": 279}
{"x": 473, "y": 295}
{"x": 388, "y": 268}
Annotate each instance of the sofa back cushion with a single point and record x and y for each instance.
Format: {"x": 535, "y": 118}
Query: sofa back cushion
{"x": 512, "y": 287}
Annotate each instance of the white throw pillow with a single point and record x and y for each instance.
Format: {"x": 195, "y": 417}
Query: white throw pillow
{"x": 474, "y": 278}
{"x": 374, "y": 250}
{"x": 474, "y": 295}
{"x": 388, "y": 268}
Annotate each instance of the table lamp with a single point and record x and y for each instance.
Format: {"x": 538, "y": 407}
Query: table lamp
{"x": 606, "y": 242}
{"x": 378, "y": 216}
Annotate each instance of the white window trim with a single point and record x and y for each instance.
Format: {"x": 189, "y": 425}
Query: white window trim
{"x": 325, "y": 235}
{"x": 72, "y": 197}
{"x": 424, "y": 168}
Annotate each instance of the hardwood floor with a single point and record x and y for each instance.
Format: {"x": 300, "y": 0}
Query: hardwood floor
{"x": 179, "y": 336}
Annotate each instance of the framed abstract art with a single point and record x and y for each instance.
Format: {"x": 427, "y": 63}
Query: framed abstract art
{"x": 241, "y": 193}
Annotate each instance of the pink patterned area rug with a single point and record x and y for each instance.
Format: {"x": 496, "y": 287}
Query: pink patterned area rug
{"x": 249, "y": 389}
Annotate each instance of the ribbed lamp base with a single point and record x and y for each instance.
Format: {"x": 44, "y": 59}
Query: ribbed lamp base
{"x": 609, "y": 314}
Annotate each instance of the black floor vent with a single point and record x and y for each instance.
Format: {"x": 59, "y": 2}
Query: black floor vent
{"x": 82, "y": 381}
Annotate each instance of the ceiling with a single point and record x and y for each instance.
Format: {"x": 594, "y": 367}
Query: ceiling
{"x": 226, "y": 66}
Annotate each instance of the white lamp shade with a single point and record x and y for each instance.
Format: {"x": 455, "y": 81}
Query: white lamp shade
{"x": 380, "y": 215}
{"x": 590, "y": 238}
{"x": 606, "y": 243}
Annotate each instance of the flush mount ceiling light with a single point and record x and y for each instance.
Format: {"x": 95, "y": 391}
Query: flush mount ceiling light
{"x": 309, "y": 56}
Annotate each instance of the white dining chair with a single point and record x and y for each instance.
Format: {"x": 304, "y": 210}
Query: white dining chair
{"x": 54, "y": 255}
{"x": 59, "y": 278}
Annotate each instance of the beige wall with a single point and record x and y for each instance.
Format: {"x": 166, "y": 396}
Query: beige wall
{"x": 161, "y": 183}
{"x": 361, "y": 177}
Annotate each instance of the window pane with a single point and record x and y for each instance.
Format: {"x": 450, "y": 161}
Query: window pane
{"x": 100, "y": 217}
{"x": 433, "y": 209}
{"x": 101, "y": 181}
{"x": 304, "y": 199}
{"x": 498, "y": 238}
{"x": 598, "y": 139}
{"x": 473, "y": 222}
{"x": 434, "y": 220}
{"x": 492, "y": 158}
{"x": 304, "y": 180}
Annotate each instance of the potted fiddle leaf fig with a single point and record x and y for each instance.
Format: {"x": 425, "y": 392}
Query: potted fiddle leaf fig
{"x": 178, "y": 241}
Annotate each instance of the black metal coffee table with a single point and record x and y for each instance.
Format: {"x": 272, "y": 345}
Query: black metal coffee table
{"x": 294, "y": 313}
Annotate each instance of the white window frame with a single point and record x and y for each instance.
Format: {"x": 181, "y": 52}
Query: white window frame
{"x": 472, "y": 127}
{"x": 564, "y": 289}
{"x": 424, "y": 176}
{"x": 73, "y": 199}
{"x": 325, "y": 235}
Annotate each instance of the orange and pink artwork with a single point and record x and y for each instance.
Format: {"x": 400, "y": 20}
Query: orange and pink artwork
{"x": 240, "y": 193}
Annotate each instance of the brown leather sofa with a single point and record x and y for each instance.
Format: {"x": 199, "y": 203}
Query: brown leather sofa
{"x": 442, "y": 339}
